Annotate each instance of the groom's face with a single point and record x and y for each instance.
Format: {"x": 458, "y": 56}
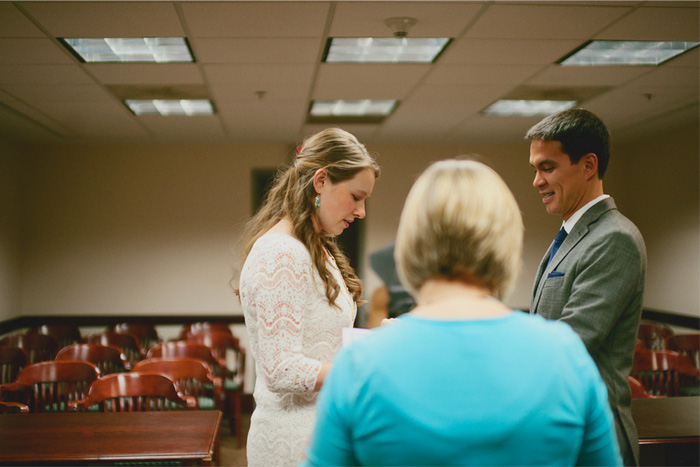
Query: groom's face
{"x": 561, "y": 184}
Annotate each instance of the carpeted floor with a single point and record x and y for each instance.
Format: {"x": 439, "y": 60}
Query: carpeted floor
{"x": 230, "y": 455}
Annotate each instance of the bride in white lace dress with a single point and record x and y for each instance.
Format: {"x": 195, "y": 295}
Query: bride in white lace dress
{"x": 298, "y": 290}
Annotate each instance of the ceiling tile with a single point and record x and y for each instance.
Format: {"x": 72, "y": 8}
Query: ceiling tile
{"x": 107, "y": 19}
{"x": 14, "y": 23}
{"x": 690, "y": 59}
{"x": 366, "y": 19}
{"x": 257, "y": 50}
{"x": 363, "y": 132}
{"x": 657, "y": 24}
{"x": 255, "y": 19}
{"x": 491, "y": 128}
{"x": 507, "y": 51}
{"x": 367, "y": 81}
{"x": 624, "y": 107}
{"x": 557, "y": 75}
{"x": 35, "y": 117}
{"x": 14, "y": 127}
{"x": 32, "y": 51}
{"x": 475, "y": 97}
{"x": 544, "y": 21}
{"x": 482, "y": 74}
{"x": 43, "y": 74}
{"x": 670, "y": 77}
{"x": 146, "y": 73}
{"x": 263, "y": 120}
{"x": 244, "y": 81}
{"x": 438, "y": 117}
{"x": 63, "y": 92}
{"x": 207, "y": 127}
{"x": 115, "y": 119}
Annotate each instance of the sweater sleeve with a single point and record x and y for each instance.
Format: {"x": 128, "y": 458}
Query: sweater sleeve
{"x": 278, "y": 293}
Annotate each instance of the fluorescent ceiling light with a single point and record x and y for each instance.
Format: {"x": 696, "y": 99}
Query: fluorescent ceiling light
{"x": 361, "y": 108}
{"x": 596, "y": 53}
{"x": 384, "y": 50}
{"x": 526, "y": 108}
{"x": 187, "y": 107}
{"x": 131, "y": 49}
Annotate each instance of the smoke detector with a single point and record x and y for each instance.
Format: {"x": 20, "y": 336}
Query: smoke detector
{"x": 400, "y": 25}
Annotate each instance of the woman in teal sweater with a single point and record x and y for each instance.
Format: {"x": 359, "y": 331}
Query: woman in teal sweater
{"x": 463, "y": 379}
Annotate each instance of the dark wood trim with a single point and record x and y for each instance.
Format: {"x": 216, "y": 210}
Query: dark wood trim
{"x": 21, "y": 322}
{"x": 672, "y": 319}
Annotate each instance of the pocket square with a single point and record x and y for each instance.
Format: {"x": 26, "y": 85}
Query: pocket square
{"x": 555, "y": 274}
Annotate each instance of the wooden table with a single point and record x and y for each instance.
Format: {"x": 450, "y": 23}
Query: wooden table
{"x": 669, "y": 430}
{"x": 73, "y": 438}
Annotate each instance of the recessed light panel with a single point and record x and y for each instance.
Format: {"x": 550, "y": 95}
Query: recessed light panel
{"x": 597, "y": 53}
{"x": 131, "y": 49}
{"x": 360, "y": 108}
{"x": 188, "y": 107}
{"x": 384, "y": 50}
{"x": 527, "y": 108}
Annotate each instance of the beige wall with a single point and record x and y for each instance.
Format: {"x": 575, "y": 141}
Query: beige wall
{"x": 10, "y": 233}
{"x": 658, "y": 180}
{"x": 152, "y": 228}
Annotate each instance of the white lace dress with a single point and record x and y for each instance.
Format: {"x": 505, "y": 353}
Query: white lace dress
{"x": 292, "y": 329}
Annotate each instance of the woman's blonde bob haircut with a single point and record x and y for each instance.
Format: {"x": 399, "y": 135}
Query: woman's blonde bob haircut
{"x": 460, "y": 222}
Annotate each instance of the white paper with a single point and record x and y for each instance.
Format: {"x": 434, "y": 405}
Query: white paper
{"x": 353, "y": 334}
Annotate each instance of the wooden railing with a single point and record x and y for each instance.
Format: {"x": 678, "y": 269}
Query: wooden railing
{"x": 21, "y": 322}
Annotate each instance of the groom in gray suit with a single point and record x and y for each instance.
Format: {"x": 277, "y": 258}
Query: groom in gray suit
{"x": 592, "y": 277}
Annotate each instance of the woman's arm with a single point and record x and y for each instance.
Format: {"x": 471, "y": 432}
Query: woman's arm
{"x": 279, "y": 292}
{"x": 325, "y": 368}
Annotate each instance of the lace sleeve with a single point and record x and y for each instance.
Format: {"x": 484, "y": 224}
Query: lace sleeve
{"x": 280, "y": 291}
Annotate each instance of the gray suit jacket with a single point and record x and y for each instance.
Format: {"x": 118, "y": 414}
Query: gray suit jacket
{"x": 595, "y": 284}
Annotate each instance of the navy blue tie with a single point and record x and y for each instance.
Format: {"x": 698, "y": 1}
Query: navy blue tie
{"x": 558, "y": 240}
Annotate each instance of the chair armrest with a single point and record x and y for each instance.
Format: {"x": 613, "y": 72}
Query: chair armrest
{"x": 10, "y": 407}
{"x": 11, "y": 387}
{"x": 78, "y": 406}
{"x": 218, "y": 385}
{"x": 191, "y": 401}
{"x": 686, "y": 367}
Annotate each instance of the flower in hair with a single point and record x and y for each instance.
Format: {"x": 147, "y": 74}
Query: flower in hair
{"x": 298, "y": 149}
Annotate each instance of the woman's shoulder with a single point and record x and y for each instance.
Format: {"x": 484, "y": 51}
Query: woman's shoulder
{"x": 555, "y": 334}
{"x": 278, "y": 244}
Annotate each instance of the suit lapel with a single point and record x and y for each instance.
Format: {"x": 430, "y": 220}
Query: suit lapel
{"x": 537, "y": 286}
{"x": 579, "y": 231}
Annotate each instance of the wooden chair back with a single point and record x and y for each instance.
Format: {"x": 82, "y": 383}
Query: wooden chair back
{"x": 226, "y": 349}
{"x": 65, "y": 334}
{"x": 50, "y": 386}
{"x": 231, "y": 357}
{"x": 192, "y": 376}
{"x": 185, "y": 349}
{"x": 129, "y": 345}
{"x": 131, "y": 392}
{"x": 189, "y": 330}
{"x": 654, "y": 334}
{"x": 39, "y": 347}
{"x": 145, "y": 333}
{"x": 107, "y": 358}
{"x": 686, "y": 344}
{"x": 662, "y": 372}
{"x": 12, "y": 360}
{"x": 638, "y": 389}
